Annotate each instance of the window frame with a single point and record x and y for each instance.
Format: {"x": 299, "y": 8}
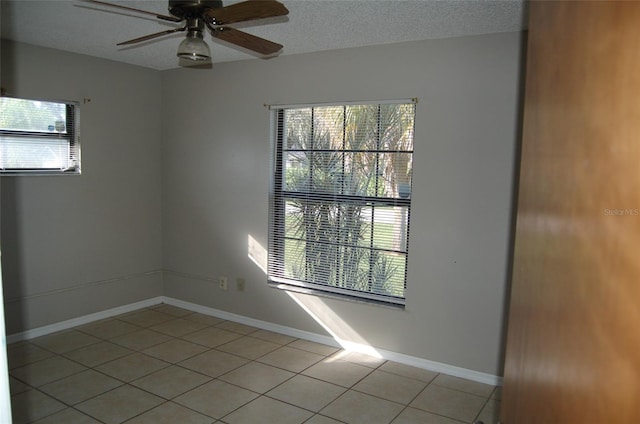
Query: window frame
{"x": 72, "y": 136}
{"x": 278, "y": 196}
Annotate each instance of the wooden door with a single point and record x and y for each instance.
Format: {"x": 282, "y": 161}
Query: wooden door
{"x": 573, "y": 345}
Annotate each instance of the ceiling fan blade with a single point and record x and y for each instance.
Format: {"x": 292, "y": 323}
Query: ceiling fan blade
{"x": 131, "y": 9}
{"x": 248, "y": 41}
{"x": 246, "y": 11}
{"x": 151, "y": 36}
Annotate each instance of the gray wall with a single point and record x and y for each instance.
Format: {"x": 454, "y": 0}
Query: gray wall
{"x": 74, "y": 245}
{"x": 175, "y": 176}
{"x": 216, "y": 164}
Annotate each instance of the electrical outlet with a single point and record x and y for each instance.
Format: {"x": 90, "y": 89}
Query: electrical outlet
{"x": 240, "y": 284}
{"x": 222, "y": 282}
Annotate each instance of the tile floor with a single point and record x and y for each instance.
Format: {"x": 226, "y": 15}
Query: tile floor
{"x": 168, "y": 365}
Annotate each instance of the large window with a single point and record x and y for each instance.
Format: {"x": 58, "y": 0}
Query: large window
{"x": 38, "y": 137}
{"x": 340, "y": 199}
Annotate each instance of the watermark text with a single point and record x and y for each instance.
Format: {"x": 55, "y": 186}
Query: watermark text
{"x": 622, "y": 212}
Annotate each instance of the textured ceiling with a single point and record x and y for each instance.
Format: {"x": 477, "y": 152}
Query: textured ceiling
{"x": 312, "y": 25}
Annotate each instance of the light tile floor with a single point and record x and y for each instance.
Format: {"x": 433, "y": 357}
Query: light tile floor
{"x": 168, "y": 365}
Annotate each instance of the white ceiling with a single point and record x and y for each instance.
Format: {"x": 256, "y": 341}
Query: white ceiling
{"x": 312, "y": 25}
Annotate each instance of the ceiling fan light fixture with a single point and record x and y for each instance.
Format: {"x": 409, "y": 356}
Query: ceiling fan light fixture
{"x": 194, "y": 47}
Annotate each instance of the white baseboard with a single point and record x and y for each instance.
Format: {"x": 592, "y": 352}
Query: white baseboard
{"x": 439, "y": 367}
{"x": 300, "y": 334}
{"x": 74, "y": 322}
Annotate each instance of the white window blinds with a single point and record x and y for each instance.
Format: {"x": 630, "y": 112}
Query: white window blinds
{"x": 340, "y": 199}
{"x": 38, "y": 137}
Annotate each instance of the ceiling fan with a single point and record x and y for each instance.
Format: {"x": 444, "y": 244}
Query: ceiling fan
{"x": 198, "y": 14}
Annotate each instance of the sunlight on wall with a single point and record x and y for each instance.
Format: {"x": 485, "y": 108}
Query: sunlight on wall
{"x": 341, "y": 332}
{"x": 257, "y": 253}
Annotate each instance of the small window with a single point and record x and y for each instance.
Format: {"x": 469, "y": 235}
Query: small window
{"x": 38, "y": 137}
{"x": 340, "y": 200}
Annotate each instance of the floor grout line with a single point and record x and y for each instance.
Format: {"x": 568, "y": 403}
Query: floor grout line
{"x": 103, "y": 336}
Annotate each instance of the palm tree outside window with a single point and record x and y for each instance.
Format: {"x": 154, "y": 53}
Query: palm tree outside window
{"x": 340, "y": 199}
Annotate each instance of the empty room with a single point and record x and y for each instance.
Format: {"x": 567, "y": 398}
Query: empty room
{"x": 276, "y": 212}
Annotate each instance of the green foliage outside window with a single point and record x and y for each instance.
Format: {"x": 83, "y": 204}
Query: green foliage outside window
{"x": 346, "y": 196}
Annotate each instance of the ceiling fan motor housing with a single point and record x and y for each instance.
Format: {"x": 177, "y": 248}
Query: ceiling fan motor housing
{"x": 185, "y": 9}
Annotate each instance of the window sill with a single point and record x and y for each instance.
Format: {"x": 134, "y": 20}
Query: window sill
{"x": 326, "y": 294}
